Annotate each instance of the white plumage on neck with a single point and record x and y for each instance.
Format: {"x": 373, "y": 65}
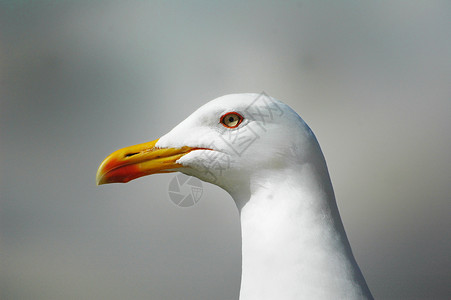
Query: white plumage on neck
{"x": 293, "y": 242}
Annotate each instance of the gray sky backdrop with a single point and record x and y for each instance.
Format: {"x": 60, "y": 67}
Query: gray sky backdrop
{"x": 80, "y": 79}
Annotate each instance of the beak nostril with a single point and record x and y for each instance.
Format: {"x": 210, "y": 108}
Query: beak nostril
{"x": 131, "y": 154}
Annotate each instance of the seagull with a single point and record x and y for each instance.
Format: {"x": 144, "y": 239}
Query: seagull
{"x": 267, "y": 158}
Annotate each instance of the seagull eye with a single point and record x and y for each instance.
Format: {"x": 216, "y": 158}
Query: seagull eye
{"x": 231, "y": 119}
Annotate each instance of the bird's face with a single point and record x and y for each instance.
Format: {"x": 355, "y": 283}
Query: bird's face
{"x": 222, "y": 142}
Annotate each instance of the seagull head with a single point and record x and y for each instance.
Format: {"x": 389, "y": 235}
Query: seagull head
{"x": 225, "y": 142}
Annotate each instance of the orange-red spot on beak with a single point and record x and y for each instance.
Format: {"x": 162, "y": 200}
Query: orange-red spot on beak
{"x": 122, "y": 174}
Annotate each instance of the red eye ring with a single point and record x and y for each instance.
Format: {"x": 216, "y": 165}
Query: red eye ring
{"x": 231, "y": 119}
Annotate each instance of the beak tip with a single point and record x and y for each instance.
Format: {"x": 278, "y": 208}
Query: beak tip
{"x": 99, "y": 177}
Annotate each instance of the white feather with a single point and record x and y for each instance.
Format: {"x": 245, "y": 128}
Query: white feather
{"x": 293, "y": 242}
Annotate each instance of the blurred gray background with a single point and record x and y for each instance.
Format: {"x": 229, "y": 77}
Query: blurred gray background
{"x": 80, "y": 79}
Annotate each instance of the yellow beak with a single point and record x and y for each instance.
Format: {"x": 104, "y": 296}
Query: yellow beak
{"x": 136, "y": 161}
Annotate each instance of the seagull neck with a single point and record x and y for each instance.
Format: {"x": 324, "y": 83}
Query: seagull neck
{"x": 293, "y": 241}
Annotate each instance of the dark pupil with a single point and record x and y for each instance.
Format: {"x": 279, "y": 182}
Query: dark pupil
{"x": 231, "y": 119}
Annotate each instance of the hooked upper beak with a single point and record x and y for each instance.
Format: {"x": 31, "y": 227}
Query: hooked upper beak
{"x": 139, "y": 160}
